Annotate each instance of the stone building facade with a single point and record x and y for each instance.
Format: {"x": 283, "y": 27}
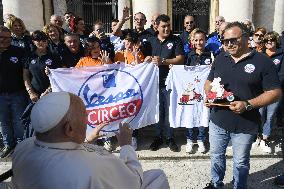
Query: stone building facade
{"x": 269, "y": 14}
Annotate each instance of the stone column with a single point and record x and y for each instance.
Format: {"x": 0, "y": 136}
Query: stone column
{"x": 59, "y": 7}
{"x": 278, "y": 24}
{"x": 121, "y": 5}
{"x": 30, "y": 11}
{"x": 214, "y": 12}
{"x": 149, "y": 7}
{"x": 236, "y": 10}
{"x": 48, "y": 11}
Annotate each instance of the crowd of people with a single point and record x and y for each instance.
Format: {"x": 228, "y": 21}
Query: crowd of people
{"x": 248, "y": 59}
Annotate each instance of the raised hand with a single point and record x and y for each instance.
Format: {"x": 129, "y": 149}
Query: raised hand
{"x": 125, "y": 14}
{"x": 95, "y": 134}
{"x": 105, "y": 57}
{"x": 124, "y": 135}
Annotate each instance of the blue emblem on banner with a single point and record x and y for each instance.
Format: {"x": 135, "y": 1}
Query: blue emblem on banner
{"x": 109, "y": 81}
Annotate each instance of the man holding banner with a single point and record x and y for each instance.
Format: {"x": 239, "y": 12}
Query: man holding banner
{"x": 166, "y": 49}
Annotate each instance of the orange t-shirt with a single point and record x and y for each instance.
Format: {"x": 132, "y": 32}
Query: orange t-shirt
{"x": 127, "y": 57}
{"x": 88, "y": 61}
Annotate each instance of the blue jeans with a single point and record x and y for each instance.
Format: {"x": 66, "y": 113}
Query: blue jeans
{"x": 201, "y": 133}
{"x": 241, "y": 143}
{"x": 163, "y": 126}
{"x": 12, "y": 107}
{"x": 268, "y": 115}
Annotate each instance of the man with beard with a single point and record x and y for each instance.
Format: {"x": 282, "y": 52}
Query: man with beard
{"x": 73, "y": 51}
{"x": 252, "y": 78}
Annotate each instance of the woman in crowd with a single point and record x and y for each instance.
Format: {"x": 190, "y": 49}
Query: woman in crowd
{"x": 272, "y": 50}
{"x": 258, "y": 36}
{"x": 80, "y": 29}
{"x": 20, "y": 36}
{"x": 55, "y": 42}
{"x": 132, "y": 54}
{"x": 35, "y": 78}
{"x": 93, "y": 54}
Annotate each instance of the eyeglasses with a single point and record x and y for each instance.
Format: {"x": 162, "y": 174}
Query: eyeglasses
{"x": 258, "y": 35}
{"x": 219, "y": 21}
{"x": 190, "y": 22}
{"x": 138, "y": 20}
{"x": 232, "y": 41}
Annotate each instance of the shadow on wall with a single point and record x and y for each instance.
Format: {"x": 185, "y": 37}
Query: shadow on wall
{"x": 263, "y": 13}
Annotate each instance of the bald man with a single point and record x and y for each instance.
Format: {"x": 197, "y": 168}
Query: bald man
{"x": 189, "y": 25}
{"x": 213, "y": 43}
{"x": 153, "y": 27}
{"x": 56, "y": 157}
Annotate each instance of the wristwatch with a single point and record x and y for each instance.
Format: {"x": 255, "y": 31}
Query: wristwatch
{"x": 248, "y": 106}
{"x": 163, "y": 60}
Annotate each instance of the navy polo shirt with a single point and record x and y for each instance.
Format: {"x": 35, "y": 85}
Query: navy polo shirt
{"x": 70, "y": 59}
{"x": 195, "y": 59}
{"x": 11, "y": 70}
{"x": 36, "y": 65}
{"x": 184, "y": 36}
{"x": 247, "y": 79}
{"x": 56, "y": 48}
{"x": 168, "y": 49}
{"x": 278, "y": 60}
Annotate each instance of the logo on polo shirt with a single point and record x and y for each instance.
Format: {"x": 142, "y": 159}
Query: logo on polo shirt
{"x": 249, "y": 68}
{"x": 276, "y": 61}
{"x": 105, "y": 100}
{"x": 170, "y": 45}
{"x": 207, "y": 61}
{"x": 48, "y": 62}
{"x": 14, "y": 59}
{"x": 144, "y": 40}
{"x": 33, "y": 61}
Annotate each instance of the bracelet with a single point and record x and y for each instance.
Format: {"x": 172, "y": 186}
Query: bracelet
{"x": 28, "y": 90}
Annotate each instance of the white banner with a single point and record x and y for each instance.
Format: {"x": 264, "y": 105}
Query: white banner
{"x": 113, "y": 93}
{"x": 186, "y": 84}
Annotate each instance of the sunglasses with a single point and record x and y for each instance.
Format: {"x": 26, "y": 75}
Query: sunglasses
{"x": 137, "y": 20}
{"x": 258, "y": 35}
{"x": 270, "y": 40}
{"x": 232, "y": 41}
{"x": 190, "y": 22}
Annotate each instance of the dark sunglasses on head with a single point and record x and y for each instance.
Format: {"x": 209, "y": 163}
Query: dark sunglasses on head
{"x": 258, "y": 35}
{"x": 269, "y": 40}
{"x": 190, "y": 22}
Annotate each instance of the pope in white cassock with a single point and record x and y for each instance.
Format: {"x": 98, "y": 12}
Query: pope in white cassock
{"x": 57, "y": 158}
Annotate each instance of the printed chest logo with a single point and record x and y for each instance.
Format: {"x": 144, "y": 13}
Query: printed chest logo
{"x": 14, "y": 59}
{"x": 48, "y": 62}
{"x": 33, "y": 61}
{"x": 276, "y": 61}
{"x": 170, "y": 45}
{"x": 249, "y": 68}
{"x": 207, "y": 61}
{"x": 109, "y": 99}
